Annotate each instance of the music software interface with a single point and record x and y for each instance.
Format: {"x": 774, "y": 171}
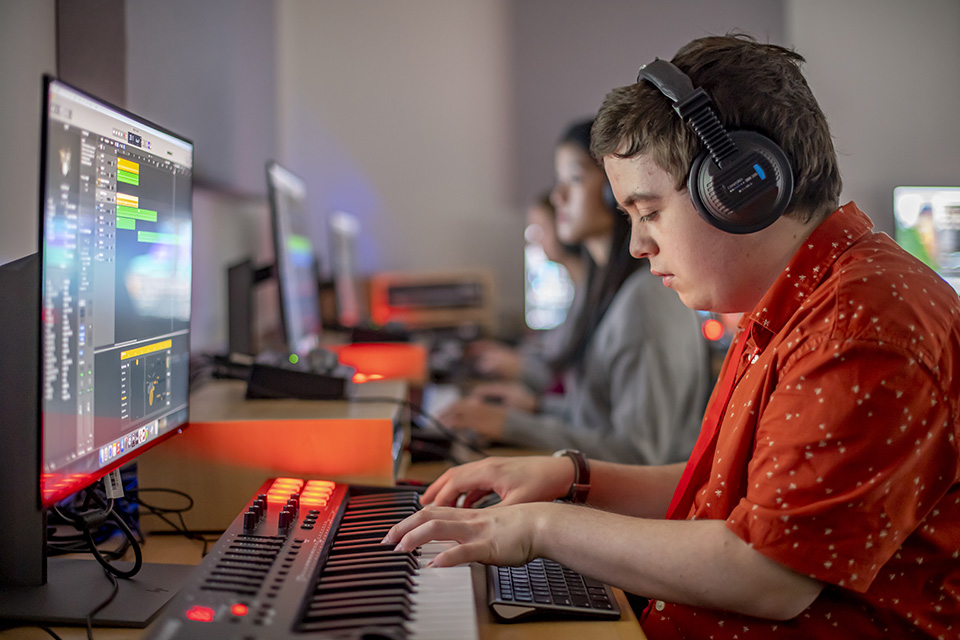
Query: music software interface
{"x": 115, "y": 314}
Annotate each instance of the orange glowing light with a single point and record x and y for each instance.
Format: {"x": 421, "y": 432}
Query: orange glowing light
{"x": 200, "y": 614}
{"x": 296, "y": 483}
{"x": 712, "y": 329}
{"x": 316, "y": 493}
{"x": 360, "y": 378}
{"x": 281, "y": 489}
{"x": 239, "y": 609}
{"x": 384, "y": 360}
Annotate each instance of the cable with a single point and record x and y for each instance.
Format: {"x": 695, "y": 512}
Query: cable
{"x": 449, "y": 433}
{"x": 137, "y": 551}
{"x": 107, "y": 601}
{"x": 59, "y": 544}
{"x": 87, "y": 521}
{"x": 161, "y": 512}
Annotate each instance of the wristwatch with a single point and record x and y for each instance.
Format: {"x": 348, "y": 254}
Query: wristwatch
{"x": 581, "y": 476}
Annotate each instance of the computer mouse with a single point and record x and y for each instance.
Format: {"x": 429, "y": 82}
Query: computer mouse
{"x": 487, "y": 501}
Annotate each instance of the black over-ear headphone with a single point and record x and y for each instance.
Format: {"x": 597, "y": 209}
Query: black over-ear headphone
{"x": 742, "y": 182}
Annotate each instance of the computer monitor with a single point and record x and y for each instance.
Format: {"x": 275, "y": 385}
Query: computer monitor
{"x": 295, "y": 260}
{"x": 94, "y": 353}
{"x": 927, "y": 224}
{"x": 548, "y": 288}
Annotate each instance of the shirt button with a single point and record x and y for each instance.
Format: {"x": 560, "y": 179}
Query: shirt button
{"x": 659, "y": 605}
{"x": 754, "y": 359}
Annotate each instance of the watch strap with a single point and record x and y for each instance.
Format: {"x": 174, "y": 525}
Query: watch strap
{"x": 581, "y": 476}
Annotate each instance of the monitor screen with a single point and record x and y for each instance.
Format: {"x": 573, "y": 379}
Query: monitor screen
{"x": 548, "y": 288}
{"x": 295, "y": 260}
{"x": 115, "y": 250}
{"x": 927, "y": 224}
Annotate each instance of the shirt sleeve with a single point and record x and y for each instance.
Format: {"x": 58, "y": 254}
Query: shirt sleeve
{"x": 852, "y": 451}
{"x": 623, "y": 437}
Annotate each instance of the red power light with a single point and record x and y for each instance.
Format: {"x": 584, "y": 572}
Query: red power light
{"x": 239, "y": 609}
{"x": 200, "y": 614}
{"x": 712, "y": 329}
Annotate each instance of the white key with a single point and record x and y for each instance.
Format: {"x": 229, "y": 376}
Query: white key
{"x": 443, "y": 602}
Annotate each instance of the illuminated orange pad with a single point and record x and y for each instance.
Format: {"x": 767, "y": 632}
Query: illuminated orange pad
{"x": 312, "y": 493}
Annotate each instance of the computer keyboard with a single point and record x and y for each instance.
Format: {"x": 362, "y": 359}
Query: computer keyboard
{"x": 547, "y": 589}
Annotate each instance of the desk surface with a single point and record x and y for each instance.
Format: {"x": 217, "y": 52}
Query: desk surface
{"x": 223, "y": 401}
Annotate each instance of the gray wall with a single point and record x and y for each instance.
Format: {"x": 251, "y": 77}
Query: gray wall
{"x": 27, "y": 51}
{"x": 569, "y": 54}
{"x": 887, "y": 74}
{"x": 434, "y": 121}
{"x": 206, "y": 70}
{"x": 400, "y": 113}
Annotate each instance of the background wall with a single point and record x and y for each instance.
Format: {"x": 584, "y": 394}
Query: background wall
{"x": 434, "y": 121}
{"x": 400, "y": 113}
{"x": 569, "y": 54}
{"x": 27, "y": 51}
{"x": 887, "y": 74}
{"x": 206, "y": 70}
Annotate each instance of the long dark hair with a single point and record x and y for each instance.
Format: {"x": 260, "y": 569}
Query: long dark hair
{"x": 602, "y": 282}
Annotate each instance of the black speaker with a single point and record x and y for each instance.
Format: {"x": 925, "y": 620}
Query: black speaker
{"x": 742, "y": 182}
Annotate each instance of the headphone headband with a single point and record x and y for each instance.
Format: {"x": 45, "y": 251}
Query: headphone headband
{"x": 692, "y": 104}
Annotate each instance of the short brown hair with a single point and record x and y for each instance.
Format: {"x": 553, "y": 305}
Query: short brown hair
{"x": 756, "y": 87}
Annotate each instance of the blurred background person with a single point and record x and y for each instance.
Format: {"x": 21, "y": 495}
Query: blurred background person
{"x": 635, "y": 369}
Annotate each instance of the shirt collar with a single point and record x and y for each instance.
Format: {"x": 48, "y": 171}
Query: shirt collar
{"x": 809, "y": 266}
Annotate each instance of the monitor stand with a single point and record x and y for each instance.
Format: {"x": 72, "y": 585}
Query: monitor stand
{"x": 76, "y": 586}
{"x": 35, "y": 589}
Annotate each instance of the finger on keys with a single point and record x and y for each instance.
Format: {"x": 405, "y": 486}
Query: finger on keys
{"x": 458, "y": 554}
{"x": 397, "y": 531}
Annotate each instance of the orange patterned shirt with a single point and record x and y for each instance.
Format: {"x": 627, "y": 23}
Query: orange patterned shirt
{"x": 837, "y": 454}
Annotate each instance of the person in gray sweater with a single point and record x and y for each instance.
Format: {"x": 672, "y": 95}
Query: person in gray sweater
{"x": 636, "y": 370}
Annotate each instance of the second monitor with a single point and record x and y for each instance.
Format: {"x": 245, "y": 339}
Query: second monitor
{"x": 295, "y": 260}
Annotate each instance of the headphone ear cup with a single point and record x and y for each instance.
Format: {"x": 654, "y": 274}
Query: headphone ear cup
{"x": 750, "y": 192}
{"x": 608, "y": 198}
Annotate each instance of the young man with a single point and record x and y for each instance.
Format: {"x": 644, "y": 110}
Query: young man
{"x": 823, "y": 498}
